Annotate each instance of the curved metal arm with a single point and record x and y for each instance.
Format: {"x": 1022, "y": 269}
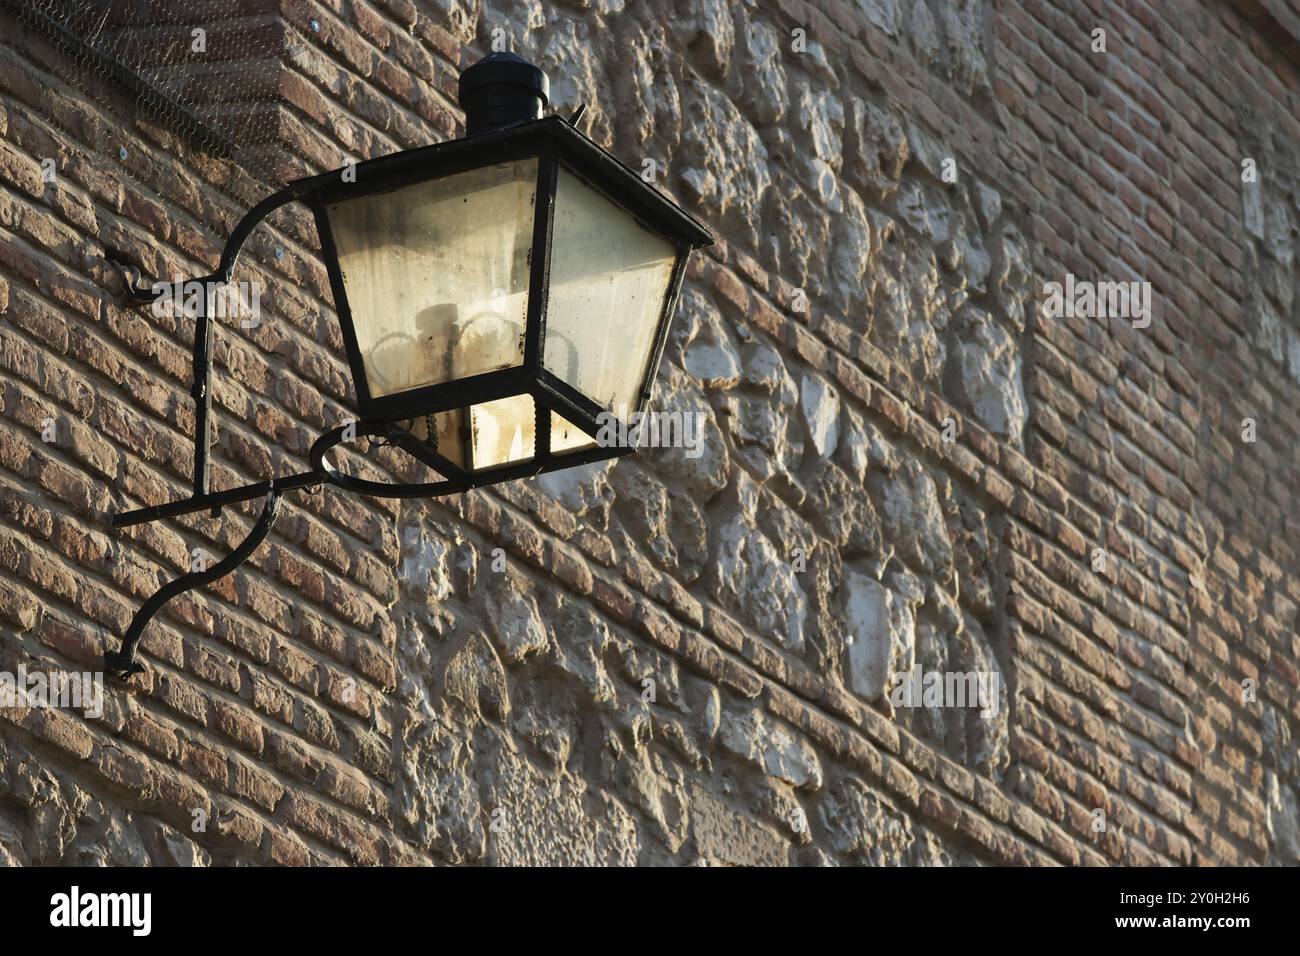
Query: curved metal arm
{"x": 202, "y": 354}
{"x": 379, "y": 489}
{"x": 122, "y": 663}
{"x": 244, "y": 228}
{"x": 131, "y": 273}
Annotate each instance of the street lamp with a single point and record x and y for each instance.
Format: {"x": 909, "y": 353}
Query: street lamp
{"x": 499, "y": 297}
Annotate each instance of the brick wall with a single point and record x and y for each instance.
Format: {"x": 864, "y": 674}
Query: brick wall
{"x": 906, "y": 461}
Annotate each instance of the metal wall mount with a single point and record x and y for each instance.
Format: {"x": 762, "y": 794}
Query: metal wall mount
{"x": 122, "y": 663}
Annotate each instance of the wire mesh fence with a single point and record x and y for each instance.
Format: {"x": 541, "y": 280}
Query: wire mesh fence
{"x": 207, "y": 70}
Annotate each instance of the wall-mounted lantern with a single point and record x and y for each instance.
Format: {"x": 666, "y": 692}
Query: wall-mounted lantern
{"x": 498, "y": 294}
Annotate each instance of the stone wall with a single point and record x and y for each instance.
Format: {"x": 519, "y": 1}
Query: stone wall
{"x": 906, "y": 462}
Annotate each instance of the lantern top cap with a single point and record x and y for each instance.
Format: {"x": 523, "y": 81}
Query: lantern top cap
{"x": 500, "y": 89}
{"x": 504, "y": 68}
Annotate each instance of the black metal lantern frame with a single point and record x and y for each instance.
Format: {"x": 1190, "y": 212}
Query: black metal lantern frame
{"x": 507, "y": 95}
{"x": 552, "y": 141}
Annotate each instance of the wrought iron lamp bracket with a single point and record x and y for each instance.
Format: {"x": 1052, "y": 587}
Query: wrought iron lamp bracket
{"x": 122, "y": 664}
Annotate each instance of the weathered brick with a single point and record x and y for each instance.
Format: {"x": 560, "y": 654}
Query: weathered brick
{"x": 292, "y": 701}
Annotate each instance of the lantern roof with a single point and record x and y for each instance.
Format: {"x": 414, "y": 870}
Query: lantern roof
{"x": 581, "y": 154}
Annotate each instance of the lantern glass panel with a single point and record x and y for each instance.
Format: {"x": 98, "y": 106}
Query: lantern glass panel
{"x": 502, "y": 432}
{"x": 436, "y": 275}
{"x": 608, "y": 289}
{"x": 447, "y": 434}
{"x": 566, "y": 436}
